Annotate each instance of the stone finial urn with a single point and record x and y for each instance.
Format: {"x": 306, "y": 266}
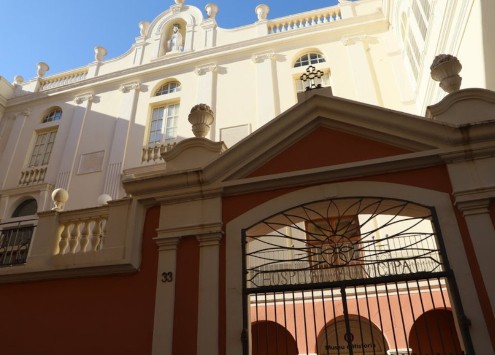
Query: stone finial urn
{"x": 445, "y": 69}
{"x": 211, "y": 10}
{"x": 143, "y": 28}
{"x": 201, "y": 117}
{"x": 262, "y": 11}
{"x": 100, "y": 53}
{"x": 42, "y": 68}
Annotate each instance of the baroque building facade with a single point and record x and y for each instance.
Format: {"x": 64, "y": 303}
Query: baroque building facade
{"x": 353, "y": 216}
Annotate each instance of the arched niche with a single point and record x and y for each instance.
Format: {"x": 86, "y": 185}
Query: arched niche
{"x": 173, "y": 39}
{"x": 365, "y": 336}
{"x": 268, "y": 337}
{"x": 161, "y": 28}
{"x": 25, "y": 207}
{"x": 434, "y": 332}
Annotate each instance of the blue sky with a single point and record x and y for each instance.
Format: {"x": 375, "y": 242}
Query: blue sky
{"x": 63, "y": 33}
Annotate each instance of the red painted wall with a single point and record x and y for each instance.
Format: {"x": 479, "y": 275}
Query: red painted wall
{"x": 186, "y": 297}
{"x": 326, "y": 147}
{"x": 90, "y": 315}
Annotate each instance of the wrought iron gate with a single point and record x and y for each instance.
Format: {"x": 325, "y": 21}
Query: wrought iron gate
{"x": 350, "y": 276}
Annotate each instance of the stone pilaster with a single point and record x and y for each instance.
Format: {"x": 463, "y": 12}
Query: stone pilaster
{"x": 362, "y": 69}
{"x": 163, "y": 330}
{"x": 209, "y": 267}
{"x": 266, "y": 87}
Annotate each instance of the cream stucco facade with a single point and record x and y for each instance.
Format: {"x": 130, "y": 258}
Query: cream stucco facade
{"x": 167, "y": 211}
{"x": 107, "y": 106}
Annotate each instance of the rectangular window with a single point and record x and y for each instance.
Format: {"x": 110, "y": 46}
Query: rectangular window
{"x": 164, "y": 123}
{"x": 42, "y": 149}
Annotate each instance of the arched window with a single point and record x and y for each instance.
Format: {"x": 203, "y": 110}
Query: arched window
{"x": 168, "y": 88}
{"x": 54, "y": 114}
{"x": 26, "y": 208}
{"x": 309, "y": 59}
{"x": 306, "y": 64}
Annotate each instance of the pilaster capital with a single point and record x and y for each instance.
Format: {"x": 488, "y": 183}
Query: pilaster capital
{"x": 210, "y": 239}
{"x": 351, "y": 40}
{"x": 24, "y": 113}
{"x": 202, "y": 70}
{"x": 127, "y": 87}
{"x": 474, "y": 202}
{"x": 261, "y": 57}
{"x": 209, "y": 24}
{"x": 84, "y": 97}
{"x": 166, "y": 243}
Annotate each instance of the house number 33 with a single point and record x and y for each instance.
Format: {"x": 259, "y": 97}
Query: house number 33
{"x": 167, "y": 276}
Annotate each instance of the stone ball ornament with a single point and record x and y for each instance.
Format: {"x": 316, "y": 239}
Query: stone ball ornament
{"x": 103, "y": 199}
{"x": 59, "y": 198}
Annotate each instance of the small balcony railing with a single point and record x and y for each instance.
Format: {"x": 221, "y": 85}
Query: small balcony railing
{"x": 15, "y": 240}
{"x": 63, "y": 79}
{"x": 31, "y": 176}
{"x": 153, "y": 153}
{"x": 304, "y": 20}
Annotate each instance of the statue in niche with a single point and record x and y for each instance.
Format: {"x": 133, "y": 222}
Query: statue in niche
{"x": 175, "y": 43}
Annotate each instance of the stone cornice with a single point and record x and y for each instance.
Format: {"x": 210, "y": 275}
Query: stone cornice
{"x": 21, "y": 274}
{"x": 23, "y": 190}
{"x": 208, "y": 232}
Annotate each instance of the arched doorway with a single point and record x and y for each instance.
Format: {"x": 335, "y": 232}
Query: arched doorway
{"x": 366, "y": 338}
{"x": 354, "y": 259}
{"x": 271, "y": 338}
{"x": 434, "y": 333}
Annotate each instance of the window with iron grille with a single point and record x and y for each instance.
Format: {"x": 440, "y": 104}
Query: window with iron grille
{"x": 14, "y": 245}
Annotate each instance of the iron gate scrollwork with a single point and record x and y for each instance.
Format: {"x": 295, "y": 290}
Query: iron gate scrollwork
{"x": 350, "y": 276}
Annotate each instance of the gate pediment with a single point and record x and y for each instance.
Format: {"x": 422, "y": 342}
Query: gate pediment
{"x": 328, "y": 131}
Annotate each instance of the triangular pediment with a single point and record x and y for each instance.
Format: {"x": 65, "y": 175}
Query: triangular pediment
{"x": 326, "y": 147}
{"x": 326, "y": 131}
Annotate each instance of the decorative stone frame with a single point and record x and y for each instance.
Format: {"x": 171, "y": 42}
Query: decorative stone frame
{"x": 439, "y": 201}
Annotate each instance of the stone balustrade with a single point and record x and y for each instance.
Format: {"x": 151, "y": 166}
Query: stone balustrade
{"x": 86, "y": 242}
{"x": 63, "y": 79}
{"x": 32, "y": 176}
{"x": 83, "y": 233}
{"x": 153, "y": 153}
{"x": 304, "y": 20}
